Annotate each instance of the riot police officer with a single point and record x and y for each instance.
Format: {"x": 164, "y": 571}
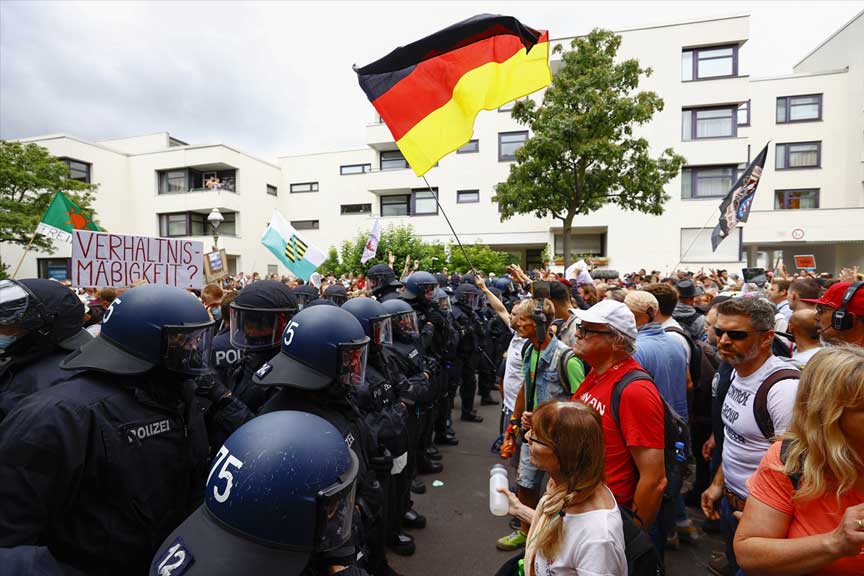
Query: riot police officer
{"x": 279, "y": 501}
{"x": 336, "y": 293}
{"x": 321, "y": 361}
{"x": 381, "y": 280}
{"x": 101, "y": 467}
{"x": 304, "y": 294}
{"x": 40, "y": 323}
{"x": 225, "y": 355}
{"x": 467, "y": 323}
{"x": 378, "y": 400}
{"x": 259, "y": 314}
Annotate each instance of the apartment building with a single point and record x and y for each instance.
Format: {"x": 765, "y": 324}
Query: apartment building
{"x": 810, "y": 201}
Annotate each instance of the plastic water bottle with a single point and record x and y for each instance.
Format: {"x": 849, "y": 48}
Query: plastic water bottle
{"x": 499, "y": 505}
{"x": 680, "y": 455}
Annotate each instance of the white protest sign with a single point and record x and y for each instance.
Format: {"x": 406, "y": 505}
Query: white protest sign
{"x": 101, "y": 259}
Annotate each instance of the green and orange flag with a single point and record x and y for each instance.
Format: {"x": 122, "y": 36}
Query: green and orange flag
{"x": 62, "y": 217}
{"x": 429, "y": 92}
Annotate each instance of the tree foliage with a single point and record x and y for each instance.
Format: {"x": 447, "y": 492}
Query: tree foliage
{"x": 582, "y": 153}
{"x": 29, "y": 177}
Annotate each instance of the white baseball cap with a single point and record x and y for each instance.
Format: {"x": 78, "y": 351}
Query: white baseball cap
{"x": 612, "y": 313}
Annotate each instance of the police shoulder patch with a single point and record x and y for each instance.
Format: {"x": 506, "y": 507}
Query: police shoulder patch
{"x": 264, "y": 370}
{"x": 174, "y": 561}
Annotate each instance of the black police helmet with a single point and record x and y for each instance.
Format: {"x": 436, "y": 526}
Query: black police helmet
{"x": 381, "y": 275}
{"x": 442, "y": 279}
{"x": 336, "y": 293}
{"x": 505, "y": 285}
{"x": 421, "y": 285}
{"x": 305, "y": 293}
{"x": 321, "y": 302}
{"x": 402, "y": 318}
{"x": 45, "y": 308}
{"x": 322, "y": 347}
{"x": 148, "y": 326}
{"x": 259, "y": 315}
{"x": 468, "y": 294}
{"x": 281, "y": 488}
{"x": 373, "y": 317}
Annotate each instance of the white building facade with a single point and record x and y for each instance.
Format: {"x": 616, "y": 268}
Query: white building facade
{"x": 810, "y": 200}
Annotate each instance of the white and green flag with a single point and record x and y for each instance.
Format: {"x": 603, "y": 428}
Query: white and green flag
{"x": 292, "y": 250}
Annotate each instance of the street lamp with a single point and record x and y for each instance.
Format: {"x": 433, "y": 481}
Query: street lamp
{"x": 215, "y": 218}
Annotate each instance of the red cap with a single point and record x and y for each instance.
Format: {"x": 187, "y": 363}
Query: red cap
{"x": 833, "y": 298}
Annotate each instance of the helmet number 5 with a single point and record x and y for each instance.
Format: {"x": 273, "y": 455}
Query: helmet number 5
{"x": 110, "y": 311}
{"x": 289, "y": 333}
{"x": 226, "y": 460}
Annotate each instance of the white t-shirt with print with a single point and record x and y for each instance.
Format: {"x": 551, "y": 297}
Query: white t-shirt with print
{"x": 744, "y": 444}
{"x": 593, "y": 546}
{"x": 513, "y": 371}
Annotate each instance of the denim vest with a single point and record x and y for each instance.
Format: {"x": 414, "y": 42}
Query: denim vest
{"x": 547, "y": 383}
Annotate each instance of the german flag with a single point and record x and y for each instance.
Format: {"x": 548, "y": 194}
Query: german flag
{"x": 429, "y": 92}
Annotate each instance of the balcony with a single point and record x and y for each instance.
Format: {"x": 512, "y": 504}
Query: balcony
{"x": 378, "y": 136}
{"x": 204, "y": 178}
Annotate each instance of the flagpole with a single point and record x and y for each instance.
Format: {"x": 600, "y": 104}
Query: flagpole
{"x": 435, "y": 195}
{"x": 24, "y": 255}
{"x": 704, "y": 226}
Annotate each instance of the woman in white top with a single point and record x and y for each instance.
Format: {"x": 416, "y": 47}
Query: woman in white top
{"x": 576, "y": 528}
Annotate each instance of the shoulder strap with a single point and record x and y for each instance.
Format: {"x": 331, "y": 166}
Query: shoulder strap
{"x": 795, "y": 479}
{"x": 760, "y": 403}
{"x": 525, "y": 347}
{"x": 674, "y": 329}
{"x": 563, "y": 376}
{"x": 618, "y": 390}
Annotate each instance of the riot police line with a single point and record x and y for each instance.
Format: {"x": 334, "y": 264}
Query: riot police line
{"x": 135, "y": 452}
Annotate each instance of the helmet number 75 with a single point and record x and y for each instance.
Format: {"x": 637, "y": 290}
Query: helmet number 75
{"x": 289, "y": 333}
{"x": 225, "y": 460}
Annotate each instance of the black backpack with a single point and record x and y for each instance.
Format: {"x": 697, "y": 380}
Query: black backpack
{"x": 675, "y": 428}
{"x": 696, "y": 354}
{"x": 760, "y": 403}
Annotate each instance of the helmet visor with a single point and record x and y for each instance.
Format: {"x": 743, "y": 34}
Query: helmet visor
{"x": 337, "y": 299}
{"x": 470, "y": 300}
{"x": 444, "y": 303}
{"x": 15, "y": 300}
{"x": 427, "y": 291}
{"x": 303, "y": 299}
{"x": 407, "y": 323}
{"x": 382, "y": 331}
{"x": 335, "y": 508}
{"x": 186, "y": 349}
{"x": 352, "y": 363}
{"x": 258, "y": 328}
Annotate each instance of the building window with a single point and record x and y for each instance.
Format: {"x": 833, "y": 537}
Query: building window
{"x": 798, "y": 155}
{"x": 704, "y": 63}
{"x": 173, "y": 182}
{"x": 744, "y": 114}
{"x": 78, "y": 170}
{"x": 581, "y": 244}
{"x": 179, "y": 224}
{"x": 393, "y": 160}
{"x": 300, "y": 187}
{"x": 355, "y": 169}
{"x": 696, "y": 246}
{"x": 423, "y": 202}
{"x": 707, "y": 181}
{"x": 228, "y": 226}
{"x": 54, "y": 268}
{"x": 467, "y": 196}
{"x": 305, "y": 224}
{"x": 509, "y": 143}
{"x": 703, "y": 123}
{"x": 469, "y": 147}
{"x": 272, "y": 190}
{"x": 347, "y": 209}
{"x": 804, "y": 199}
{"x": 799, "y": 108}
{"x": 395, "y": 205}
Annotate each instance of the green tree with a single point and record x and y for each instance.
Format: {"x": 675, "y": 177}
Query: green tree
{"x": 583, "y": 153}
{"x": 331, "y": 264}
{"x": 482, "y": 257}
{"x": 29, "y": 177}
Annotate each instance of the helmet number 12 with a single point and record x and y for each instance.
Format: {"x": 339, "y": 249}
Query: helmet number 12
{"x": 289, "y": 333}
{"x": 226, "y": 460}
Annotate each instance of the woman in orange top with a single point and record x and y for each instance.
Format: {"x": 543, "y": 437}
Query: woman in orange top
{"x": 805, "y": 513}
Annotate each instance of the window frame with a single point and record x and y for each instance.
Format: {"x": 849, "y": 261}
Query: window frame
{"x": 342, "y": 211}
{"x": 407, "y": 202}
{"x": 786, "y": 197}
{"x": 474, "y": 151}
{"x": 748, "y": 105}
{"x": 365, "y": 168}
{"x": 508, "y": 158}
{"x": 415, "y": 192}
{"x": 694, "y": 179}
{"x": 733, "y": 120}
{"x": 302, "y": 224}
{"x": 297, "y": 187}
{"x": 694, "y": 71}
{"x": 381, "y": 161}
{"x": 786, "y": 146}
{"x": 227, "y": 217}
{"x": 89, "y": 169}
{"x": 275, "y": 190}
{"x": 788, "y": 108}
{"x": 459, "y": 194}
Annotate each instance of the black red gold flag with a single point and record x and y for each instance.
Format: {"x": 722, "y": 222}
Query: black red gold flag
{"x": 429, "y": 92}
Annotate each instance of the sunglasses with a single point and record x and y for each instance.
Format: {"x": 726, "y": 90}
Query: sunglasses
{"x": 735, "y": 334}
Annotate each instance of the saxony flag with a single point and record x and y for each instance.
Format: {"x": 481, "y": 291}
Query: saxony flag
{"x": 429, "y": 92}
{"x": 291, "y": 249}
{"x": 62, "y": 217}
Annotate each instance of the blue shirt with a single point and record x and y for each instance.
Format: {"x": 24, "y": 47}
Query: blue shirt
{"x": 665, "y": 359}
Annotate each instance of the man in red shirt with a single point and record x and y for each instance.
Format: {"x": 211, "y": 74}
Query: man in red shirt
{"x": 635, "y": 469}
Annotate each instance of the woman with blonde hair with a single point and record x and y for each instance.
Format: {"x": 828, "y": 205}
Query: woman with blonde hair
{"x": 576, "y": 527}
{"x": 805, "y": 513}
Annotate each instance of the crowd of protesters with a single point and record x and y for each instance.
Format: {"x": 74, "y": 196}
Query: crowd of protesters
{"x": 617, "y": 392}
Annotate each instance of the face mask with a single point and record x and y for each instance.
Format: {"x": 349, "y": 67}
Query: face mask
{"x": 7, "y": 341}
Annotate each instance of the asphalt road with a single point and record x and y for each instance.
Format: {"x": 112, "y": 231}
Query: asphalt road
{"x": 460, "y": 535}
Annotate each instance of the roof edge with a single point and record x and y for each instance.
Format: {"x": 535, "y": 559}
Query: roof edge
{"x": 828, "y": 39}
{"x": 695, "y": 20}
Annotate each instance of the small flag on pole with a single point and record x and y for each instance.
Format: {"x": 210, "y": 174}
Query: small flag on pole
{"x": 291, "y": 249}
{"x": 62, "y": 217}
{"x": 372, "y": 243}
{"x": 736, "y": 204}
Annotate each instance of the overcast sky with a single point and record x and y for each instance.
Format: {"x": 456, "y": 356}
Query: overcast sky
{"x": 275, "y": 79}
